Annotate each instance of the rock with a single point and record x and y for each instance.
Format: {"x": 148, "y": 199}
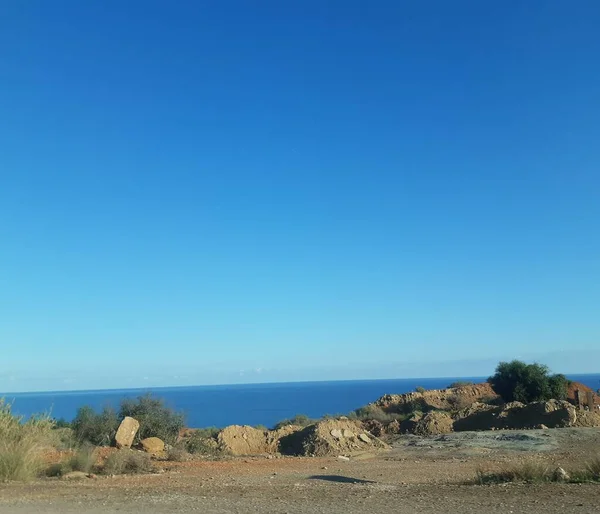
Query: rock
{"x": 560, "y": 475}
{"x": 364, "y": 438}
{"x": 343, "y": 458}
{"x": 153, "y": 445}
{"x": 75, "y": 475}
{"x": 126, "y": 432}
{"x": 542, "y": 427}
{"x": 336, "y": 433}
{"x": 347, "y": 433}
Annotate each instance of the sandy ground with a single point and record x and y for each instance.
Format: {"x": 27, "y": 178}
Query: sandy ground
{"x": 419, "y": 475}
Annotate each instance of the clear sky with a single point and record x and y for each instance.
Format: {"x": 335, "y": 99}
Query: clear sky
{"x": 229, "y": 191}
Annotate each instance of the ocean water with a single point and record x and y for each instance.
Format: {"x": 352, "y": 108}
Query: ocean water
{"x": 248, "y": 404}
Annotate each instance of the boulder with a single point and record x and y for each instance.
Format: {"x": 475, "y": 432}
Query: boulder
{"x": 126, "y": 432}
{"x": 153, "y": 446}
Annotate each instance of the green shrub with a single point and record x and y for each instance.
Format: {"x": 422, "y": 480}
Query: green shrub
{"x": 420, "y": 389}
{"x": 202, "y": 442}
{"x": 460, "y": 383}
{"x": 377, "y": 413}
{"x": 518, "y": 381}
{"x": 156, "y": 420}
{"x": 301, "y": 420}
{"x": 126, "y": 462}
{"x": 22, "y": 444}
{"x": 97, "y": 429}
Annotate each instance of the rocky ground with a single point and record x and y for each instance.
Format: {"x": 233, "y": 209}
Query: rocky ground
{"x": 417, "y": 475}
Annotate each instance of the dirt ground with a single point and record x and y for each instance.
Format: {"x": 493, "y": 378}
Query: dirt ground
{"x": 418, "y": 475}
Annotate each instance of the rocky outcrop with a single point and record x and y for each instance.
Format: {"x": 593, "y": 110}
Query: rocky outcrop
{"x": 436, "y": 399}
{"x": 515, "y": 415}
{"x": 126, "y": 432}
{"x": 330, "y": 437}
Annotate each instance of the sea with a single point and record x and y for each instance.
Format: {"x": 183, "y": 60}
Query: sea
{"x": 245, "y": 404}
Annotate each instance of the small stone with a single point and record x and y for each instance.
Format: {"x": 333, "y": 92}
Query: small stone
{"x": 324, "y": 467}
{"x": 337, "y": 433}
{"x": 560, "y": 475}
{"x": 364, "y": 438}
{"x": 75, "y": 475}
{"x": 347, "y": 433}
{"x": 343, "y": 458}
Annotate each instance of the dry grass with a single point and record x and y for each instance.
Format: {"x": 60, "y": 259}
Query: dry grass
{"x": 175, "y": 454}
{"x": 126, "y": 462}
{"x": 22, "y": 444}
{"x": 535, "y": 472}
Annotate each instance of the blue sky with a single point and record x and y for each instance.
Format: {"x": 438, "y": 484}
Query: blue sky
{"x": 217, "y": 192}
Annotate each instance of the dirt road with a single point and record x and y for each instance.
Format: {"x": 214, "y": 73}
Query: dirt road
{"x": 417, "y": 476}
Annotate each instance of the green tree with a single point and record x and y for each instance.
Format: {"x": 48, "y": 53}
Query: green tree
{"x": 518, "y": 381}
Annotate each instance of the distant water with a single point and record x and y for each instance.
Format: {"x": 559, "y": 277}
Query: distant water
{"x": 250, "y": 404}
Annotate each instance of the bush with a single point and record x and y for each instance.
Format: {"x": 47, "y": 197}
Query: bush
{"x": 203, "y": 442}
{"x": 377, "y": 413}
{"x": 97, "y": 429}
{"x": 156, "y": 420}
{"x": 22, "y": 444}
{"x": 517, "y": 381}
{"x": 127, "y": 461}
{"x": 301, "y": 420}
{"x": 460, "y": 383}
{"x": 420, "y": 389}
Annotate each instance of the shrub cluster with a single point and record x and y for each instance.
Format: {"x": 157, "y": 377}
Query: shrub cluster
{"x": 521, "y": 382}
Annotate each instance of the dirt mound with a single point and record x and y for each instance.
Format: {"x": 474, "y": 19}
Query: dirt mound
{"x": 515, "y": 415}
{"x": 435, "y": 399}
{"x": 247, "y": 440}
{"x": 434, "y": 423}
{"x": 330, "y": 437}
{"x": 243, "y": 440}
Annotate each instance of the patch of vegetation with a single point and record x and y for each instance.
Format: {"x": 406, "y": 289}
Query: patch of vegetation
{"x": 518, "y": 381}
{"x": 22, "y": 444}
{"x": 529, "y": 472}
{"x": 261, "y": 427}
{"x": 535, "y": 472}
{"x": 98, "y": 429}
{"x": 460, "y": 383}
{"x": 302, "y": 420}
{"x": 156, "y": 419}
{"x": 177, "y": 454}
{"x": 420, "y": 389}
{"x": 83, "y": 459}
{"x": 127, "y": 462}
{"x": 376, "y": 413}
{"x": 202, "y": 442}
